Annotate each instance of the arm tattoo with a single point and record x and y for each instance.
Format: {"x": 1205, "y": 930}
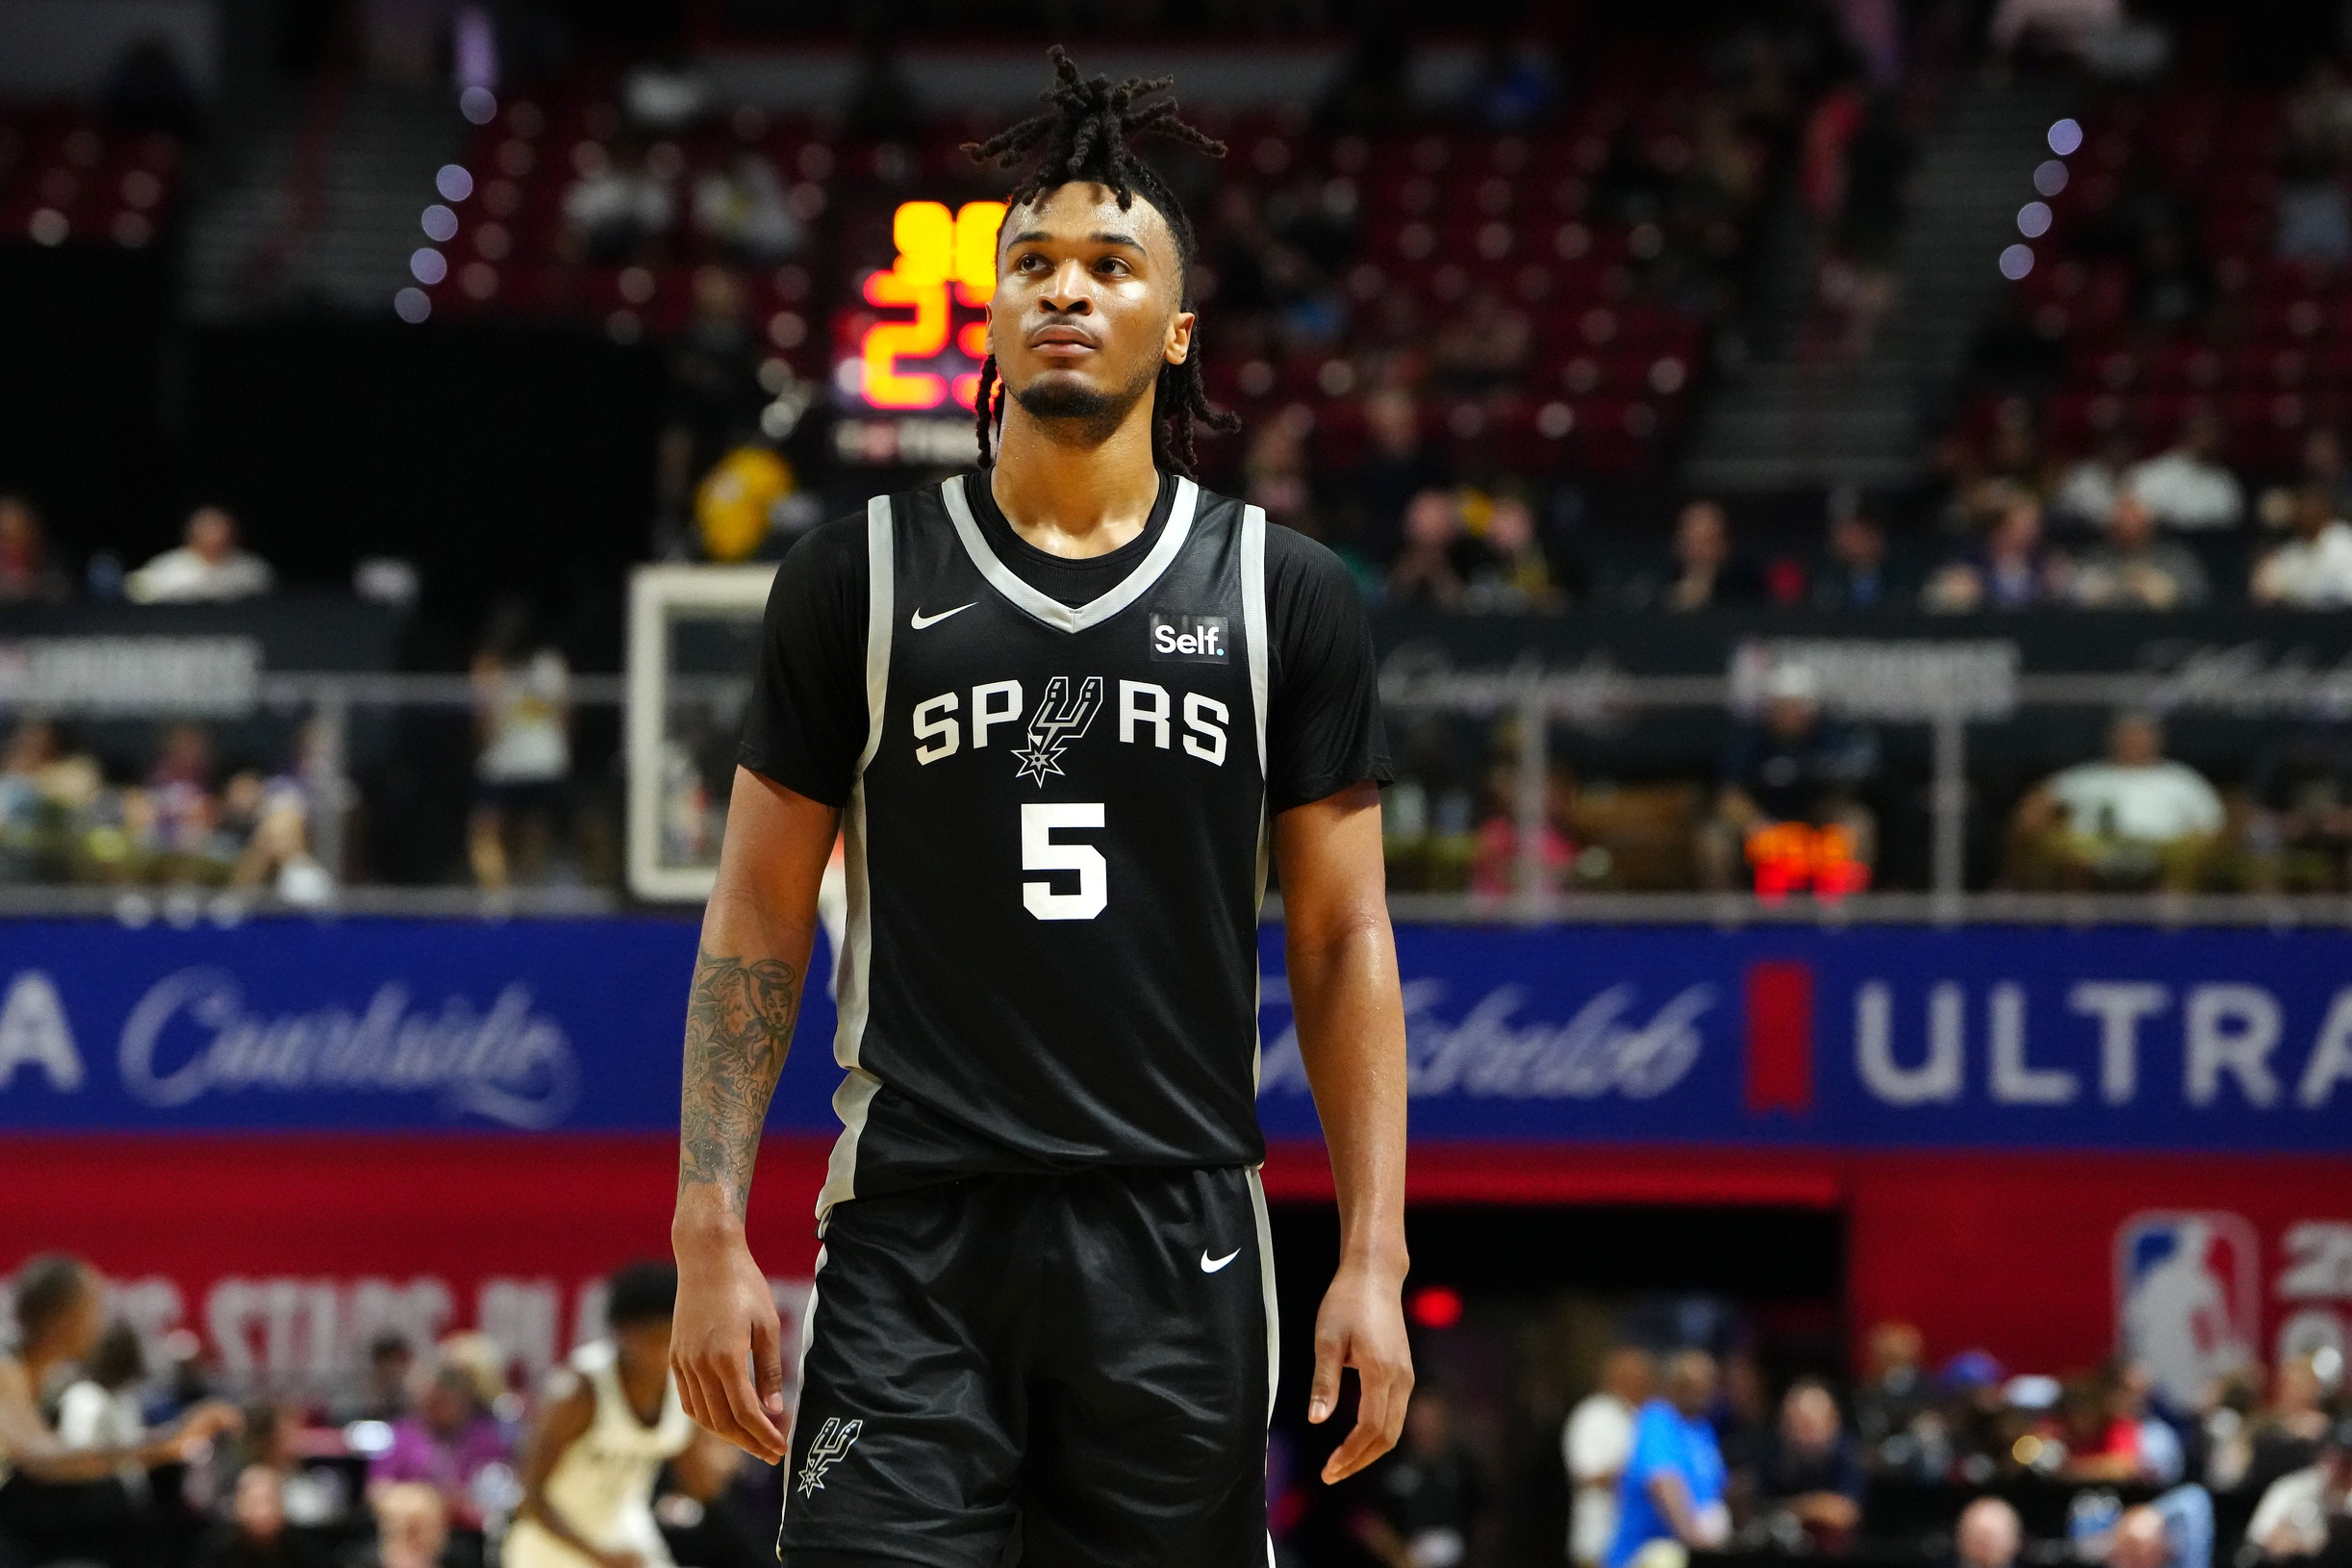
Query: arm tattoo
{"x": 739, "y": 1020}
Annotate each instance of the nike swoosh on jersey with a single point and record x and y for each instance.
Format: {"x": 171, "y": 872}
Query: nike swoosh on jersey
{"x": 1210, "y": 1265}
{"x": 919, "y": 619}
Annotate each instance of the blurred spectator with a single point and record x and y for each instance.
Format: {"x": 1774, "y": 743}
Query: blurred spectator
{"x": 255, "y": 1533}
{"x": 2012, "y": 570}
{"x": 1494, "y": 869}
{"x": 1811, "y": 1473}
{"x": 2173, "y": 289}
{"x": 2132, "y": 570}
{"x": 2290, "y": 1430}
{"x": 617, "y": 204}
{"x": 1483, "y": 348}
{"x": 1791, "y": 765}
{"x": 2314, "y": 223}
{"x": 61, "y": 1502}
{"x": 1514, "y": 574}
{"x": 27, "y": 574}
{"x": 1974, "y": 1428}
{"x": 523, "y": 720}
{"x": 742, "y": 209}
{"x": 2300, "y": 1510}
{"x": 2229, "y": 1421}
{"x": 1429, "y": 1502}
{"x": 2302, "y": 841}
{"x": 664, "y": 94}
{"x": 1429, "y": 569}
{"x": 412, "y": 1529}
{"x": 2312, "y": 571}
{"x": 1671, "y": 1499}
{"x": 2059, "y": 26}
{"x": 1708, "y": 573}
{"x": 1399, "y": 468}
{"x": 1515, "y": 86}
{"x": 1854, "y": 576}
{"x": 147, "y": 90}
{"x": 2135, "y": 818}
{"x": 208, "y": 565}
{"x": 2322, "y": 463}
{"x": 1595, "y": 1444}
{"x": 391, "y": 1360}
{"x": 881, "y": 105}
{"x": 181, "y": 811}
{"x": 2174, "y": 1530}
{"x": 2087, "y": 492}
{"x": 1988, "y": 1535}
{"x": 2102, "y": 1444}
{"x": 443, "y": 1447}
{"x": 2187, "y": 487}
{"x": 1277, "y": 466}
{"x": 102, "y": 1408}
{"x": 1893, "y": 1395}
{"x": 697, "y": 1514}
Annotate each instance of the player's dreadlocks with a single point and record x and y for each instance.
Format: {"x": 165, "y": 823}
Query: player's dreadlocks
{"x": 1086, "y": 132}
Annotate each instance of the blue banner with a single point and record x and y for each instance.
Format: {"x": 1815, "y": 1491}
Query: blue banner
{"x": 1871, "y": 1037}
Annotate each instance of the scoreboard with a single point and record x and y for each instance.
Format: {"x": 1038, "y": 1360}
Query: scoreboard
{"x": 918, "y": 341}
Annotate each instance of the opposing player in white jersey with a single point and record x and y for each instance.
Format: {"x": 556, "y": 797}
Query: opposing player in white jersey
{"x": 593, "y": 1456}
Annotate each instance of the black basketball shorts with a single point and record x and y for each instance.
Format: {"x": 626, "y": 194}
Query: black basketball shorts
{"x": 1082, "y": 1363}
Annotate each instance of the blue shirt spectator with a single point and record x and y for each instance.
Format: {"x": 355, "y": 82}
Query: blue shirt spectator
{"x": 1673, "y": 1484}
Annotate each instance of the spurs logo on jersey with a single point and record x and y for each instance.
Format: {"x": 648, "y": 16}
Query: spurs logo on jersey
{"x": 826, "y": 1450}
{"x": 1059, "y": 719}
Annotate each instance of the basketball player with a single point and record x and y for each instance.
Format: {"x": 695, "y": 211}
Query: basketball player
{"x": 588, "y": 1471}
{"x": 1065, "y": 706}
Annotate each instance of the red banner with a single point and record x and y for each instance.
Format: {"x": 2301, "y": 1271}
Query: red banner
{"x": 287, "y": 1254}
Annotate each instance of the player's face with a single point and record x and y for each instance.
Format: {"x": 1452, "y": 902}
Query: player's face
{"x": 1085, "y": 309}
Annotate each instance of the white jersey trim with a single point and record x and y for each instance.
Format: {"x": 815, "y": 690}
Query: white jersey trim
{"x": 1254, "y": 623}
{"x": 1265, "y": 1280}
{"x": 1043, "y": 607}
{"x": 854, "y": 978}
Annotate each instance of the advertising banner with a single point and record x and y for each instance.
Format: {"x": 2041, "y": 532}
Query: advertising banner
{"x": 1870, "y": 1038}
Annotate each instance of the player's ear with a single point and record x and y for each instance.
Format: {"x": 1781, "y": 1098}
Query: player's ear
{"x": 1179, "y": 346}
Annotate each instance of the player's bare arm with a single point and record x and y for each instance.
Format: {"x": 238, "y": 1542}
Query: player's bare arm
{"x": 757, "y": 933}
{"x": 563, "y": 1421}
{"x": 1344, "y": 989}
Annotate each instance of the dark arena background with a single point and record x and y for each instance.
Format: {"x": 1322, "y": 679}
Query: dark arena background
{"x": 1851, "y": 497}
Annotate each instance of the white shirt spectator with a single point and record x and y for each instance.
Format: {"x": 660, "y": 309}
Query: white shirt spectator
{"x": 2158, "y": 804}
{"x": 2087, "y": 491}
{"x": 523, "y": 723}
{"x": 2185, "y": 490}
{"x": 1595, "y": 1444}
{"x": 744, "y": 208}
{"x": 2297, "y": 1501}
{"x": 2066, "y": 23}
{"x": 186, "y": 575}
{"x": 2309, "y": 573}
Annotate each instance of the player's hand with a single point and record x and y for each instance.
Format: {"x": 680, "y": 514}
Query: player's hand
{"x": 725, "y": 1336}
{"x": 1362, "y": 1326}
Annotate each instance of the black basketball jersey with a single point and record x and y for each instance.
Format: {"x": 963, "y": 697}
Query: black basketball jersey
{"x": 1056, "y": 848}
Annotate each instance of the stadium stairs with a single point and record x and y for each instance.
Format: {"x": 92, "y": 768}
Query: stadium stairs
{"x": 1790, "y": 416}
{"x": 316, "y": 202}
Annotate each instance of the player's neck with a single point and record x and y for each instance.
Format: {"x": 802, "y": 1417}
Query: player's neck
{"x": 1071, "y": 498}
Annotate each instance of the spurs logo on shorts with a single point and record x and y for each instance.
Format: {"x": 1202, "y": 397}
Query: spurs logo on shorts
{"x": 826, "y": 1451}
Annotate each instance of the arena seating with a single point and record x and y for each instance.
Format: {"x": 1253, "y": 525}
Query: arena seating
{"x": 1616, "y": 303}
{"x": 65, "y": 179}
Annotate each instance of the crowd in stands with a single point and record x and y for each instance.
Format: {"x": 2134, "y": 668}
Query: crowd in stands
{"x": 426, "y": 1457}
{"x": 110, "y": 1461}
{"x": 1675, "y": 1456}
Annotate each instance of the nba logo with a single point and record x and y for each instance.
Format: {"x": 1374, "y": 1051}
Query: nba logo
{"x": 2185, "y": 1298}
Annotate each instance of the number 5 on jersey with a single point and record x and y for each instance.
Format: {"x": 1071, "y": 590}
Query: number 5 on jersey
{"x": 1040, "y": 853}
